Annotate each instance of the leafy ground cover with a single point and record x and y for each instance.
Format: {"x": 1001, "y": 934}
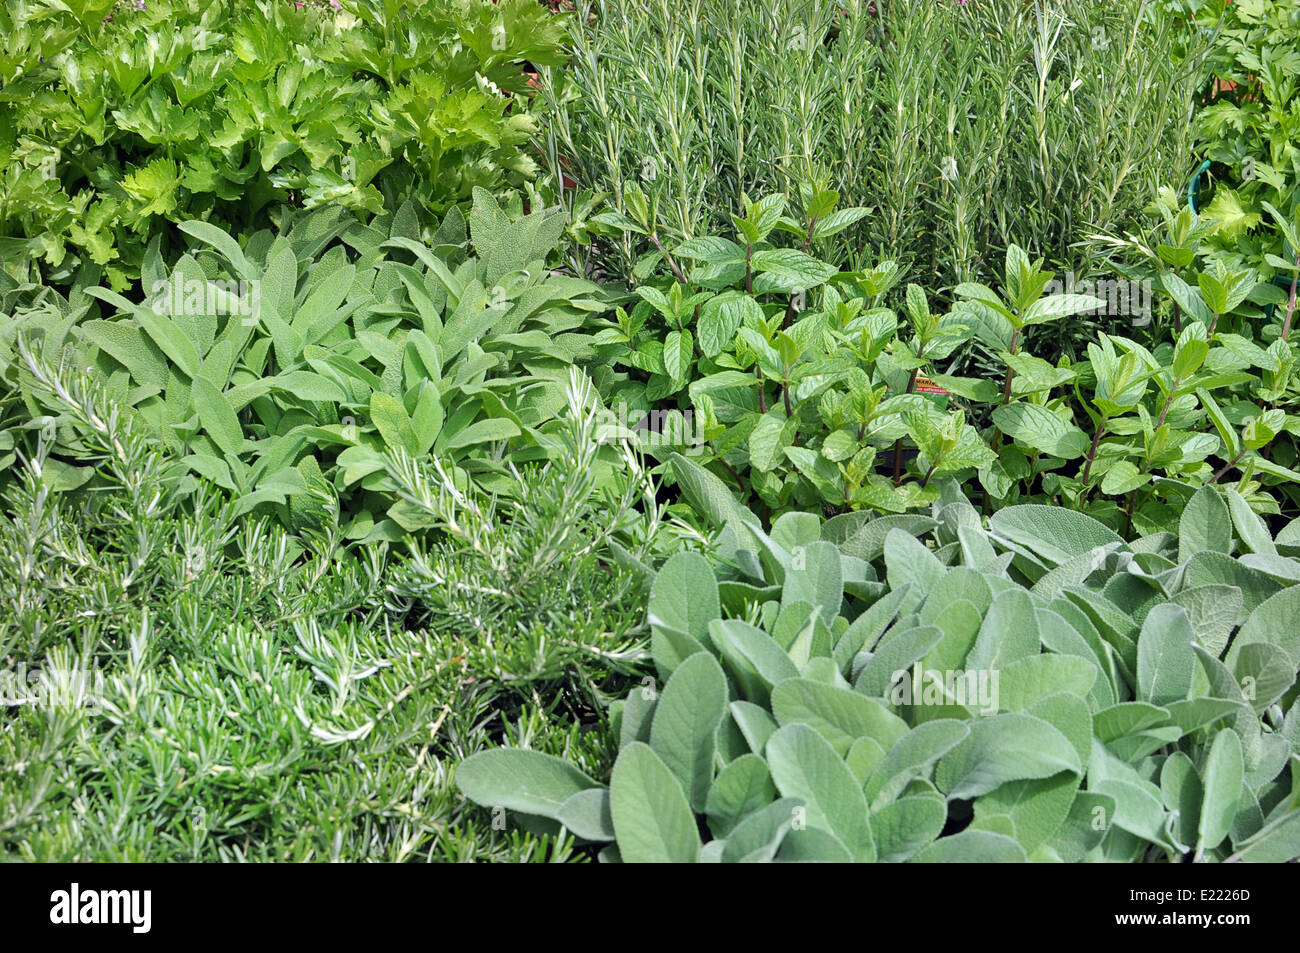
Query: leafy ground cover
{"x": 182, "y": 683}
{"x": 113, "y": 131}
{"x": 938, "y": 689}
{"x": 288, "y": 366}
{"x": 805, "y": 386}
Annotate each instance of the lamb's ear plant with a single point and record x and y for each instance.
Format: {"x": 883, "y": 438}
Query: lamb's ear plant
{"x": 943, "y": 688}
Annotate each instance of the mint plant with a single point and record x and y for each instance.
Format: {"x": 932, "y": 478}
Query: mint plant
{"x": 1247, "y": 129}
{"x": 785, "y": 360}
{"x": 809, "y": 390}
{"x": 1249, "y": 367}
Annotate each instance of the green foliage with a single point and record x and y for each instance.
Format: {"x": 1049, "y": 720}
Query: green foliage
{"x": 1231, "y": 259}
{"x": 940, "y": 688}
{"x": 1248, "y": 127}
{"x": 180, "y": 683}
{"x": 785, "y": 361}
{"x": 290, "y": 368}
{"x": 113, "y": 132}
{"x": 1230, "y": 309}
{"x": 315, "y": 523}
{"x": 966, "y": 127}
{"x": 803, "y": 386}
{"x": 1153, "y": 414}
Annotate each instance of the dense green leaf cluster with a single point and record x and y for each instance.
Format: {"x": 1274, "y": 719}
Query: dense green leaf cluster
{"x": 180, "y": 683}
{"x": 287, "y": 367}
{"x": 112, "y": 131}
{"x": 807, "y": 391}
{"x": 937, "y": 688}
{"x": 1248, "y": 130}
{"x": 1231, "y": 257}
{"x": 324, "y": 501}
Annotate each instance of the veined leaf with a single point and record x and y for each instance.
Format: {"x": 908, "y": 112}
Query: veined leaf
{"x": 684, "y": 721}
{"x": 531, "y": 782}
{"x": 217, "y": 416}
{"x": 652, "y": 818}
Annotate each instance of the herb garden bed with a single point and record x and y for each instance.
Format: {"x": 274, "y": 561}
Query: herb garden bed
{"x": 780, "y": 430}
